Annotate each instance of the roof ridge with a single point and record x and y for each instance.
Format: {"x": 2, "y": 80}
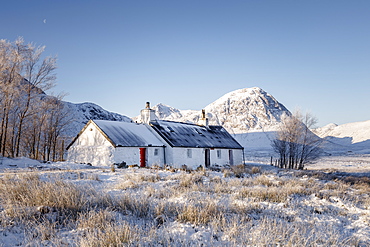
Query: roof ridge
{"x": 193, "y": 124}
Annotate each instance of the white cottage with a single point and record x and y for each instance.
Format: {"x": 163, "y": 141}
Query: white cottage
{"x": 155, "y": 142}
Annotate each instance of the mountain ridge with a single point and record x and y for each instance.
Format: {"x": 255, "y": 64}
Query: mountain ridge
{"x": 239, "y": 111}
{"x": 350, "y": 134}
{"x": 83, "y": 112}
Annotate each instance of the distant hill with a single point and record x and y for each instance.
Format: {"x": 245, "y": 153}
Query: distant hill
{"x": 352, "y": 136}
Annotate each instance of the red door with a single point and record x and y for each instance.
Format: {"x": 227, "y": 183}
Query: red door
{"x": 142, "y": 157}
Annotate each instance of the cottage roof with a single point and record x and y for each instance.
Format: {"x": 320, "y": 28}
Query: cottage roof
{"x": 192, "y": 135}
{"x": 123, "y": 134}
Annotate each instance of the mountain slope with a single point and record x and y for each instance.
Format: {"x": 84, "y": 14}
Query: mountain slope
{"x": 81, "y": 113}
{"x": 240, "y": 111}
{"x": 355, "y": 134}
{"x": 246, "y": 109}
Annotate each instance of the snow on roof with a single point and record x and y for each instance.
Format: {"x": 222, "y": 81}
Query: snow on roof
{"x": 192, "y": 135}
{"x": 125, "y": 134}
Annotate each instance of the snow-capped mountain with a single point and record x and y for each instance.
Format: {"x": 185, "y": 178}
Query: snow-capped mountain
{"x": 246, "y": 109}
{"x": 167, "y": 112}
{"x": 240, "y": 111}
{"x": 81, "y": 113}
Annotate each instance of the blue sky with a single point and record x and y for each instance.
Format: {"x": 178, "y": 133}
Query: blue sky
{"x": 313, "y": 55}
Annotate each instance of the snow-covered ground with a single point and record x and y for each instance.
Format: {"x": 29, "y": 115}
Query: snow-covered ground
{"x": 350, "y": 162}
{"x": 259, "y": 205}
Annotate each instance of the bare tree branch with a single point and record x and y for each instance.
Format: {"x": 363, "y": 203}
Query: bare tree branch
{"x": 295, "y": 144}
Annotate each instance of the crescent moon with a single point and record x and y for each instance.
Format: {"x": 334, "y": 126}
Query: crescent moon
{"x": 44, "y": 21}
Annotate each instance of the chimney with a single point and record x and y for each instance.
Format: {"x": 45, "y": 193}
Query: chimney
{"x": 147, "y": 114}
{"x": 203, "y": 120}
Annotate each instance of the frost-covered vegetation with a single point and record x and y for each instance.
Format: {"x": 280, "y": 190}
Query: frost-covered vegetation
{"x": 253, "y": 205}
{"x": 31, "y": 123}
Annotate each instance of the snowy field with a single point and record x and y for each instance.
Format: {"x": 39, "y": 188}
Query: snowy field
{"x": 65, "y": 204}
{"x": 350, "y": 162}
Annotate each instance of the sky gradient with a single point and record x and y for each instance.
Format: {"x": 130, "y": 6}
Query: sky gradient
{"x": 313, "y": 55}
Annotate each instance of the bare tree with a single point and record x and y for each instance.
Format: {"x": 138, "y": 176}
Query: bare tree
{"x": 58, "y": 120}
{"x": 30, "y": 121}
{"x": 295, "y": 144}
{"x": 10, "y": 66}
{"x": 44, "y": 137}
{"x": 39, "y": 75}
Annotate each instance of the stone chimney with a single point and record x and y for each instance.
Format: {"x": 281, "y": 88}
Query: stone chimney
{"x": 203, "y": 120}
{"x": 147, "y": 114}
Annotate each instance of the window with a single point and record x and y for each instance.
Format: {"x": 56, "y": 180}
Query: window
{"x": 189, "y": 153}
{"x": 219, "y": 154}
{"x": 156, "y": 152}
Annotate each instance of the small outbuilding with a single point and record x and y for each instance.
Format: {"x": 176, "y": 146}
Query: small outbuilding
{"x": 155, "y": 142}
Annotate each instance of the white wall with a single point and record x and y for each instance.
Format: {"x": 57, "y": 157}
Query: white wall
{"x": 131, "y": 155}
{"x": 91, "y": 136}
{"x": 180, "y": 157}
{"x": 176, "y": 157}
{"x": 95, "y": 155}
{"x": 238, "y": 156}
{"x": 222, "y": 160}
{"x": 91, "y": 147}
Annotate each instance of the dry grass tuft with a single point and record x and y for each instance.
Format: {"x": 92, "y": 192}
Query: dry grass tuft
{"x": 239, "y": 170}
{"x": 95, "y": 220}
{"x": 188, "y": 180}
{"x": 200, "y": 214}
{"x": 139, "y": 206}
{"x": 128, "y": 184}
{"x": 46, "y": 230}
{"x": 31, "y": 191}
{"x": 113, "y": 234}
